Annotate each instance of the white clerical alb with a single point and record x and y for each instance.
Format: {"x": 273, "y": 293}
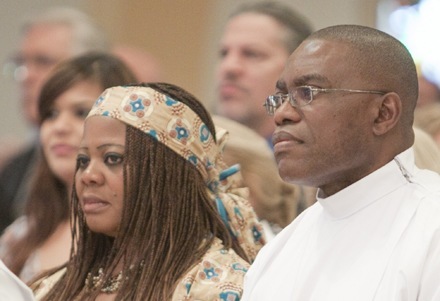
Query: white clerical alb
{"x": 378, "y": 239}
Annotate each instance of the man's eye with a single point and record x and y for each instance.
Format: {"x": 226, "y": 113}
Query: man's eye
{"x": 252, "y": 54}
{"x": 304, "y": 92}
{"x": 44, "y": 61}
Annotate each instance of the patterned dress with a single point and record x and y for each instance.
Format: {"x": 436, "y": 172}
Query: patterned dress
{"x": 217, "y": 277}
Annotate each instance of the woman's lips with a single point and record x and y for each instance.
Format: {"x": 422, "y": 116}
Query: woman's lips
{"x": 92, "y": 205}
{"x": 63, "y": 149}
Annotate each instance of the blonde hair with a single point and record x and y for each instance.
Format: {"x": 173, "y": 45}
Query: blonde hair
{"x": 426, "y": 151}
{"x": 427, "y": 118}
{"x": 273, "y": 199}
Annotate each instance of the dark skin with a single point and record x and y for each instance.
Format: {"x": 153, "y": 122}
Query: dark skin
{"x": 340, "y": 137}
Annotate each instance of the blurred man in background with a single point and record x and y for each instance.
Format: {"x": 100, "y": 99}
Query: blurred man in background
{"x": 257, "y": 40}
{"x": 46, "y": 39}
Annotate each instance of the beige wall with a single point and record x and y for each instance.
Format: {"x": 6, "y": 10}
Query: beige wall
{"x": 182, "y": 34}
{"x": 173, "y": 31}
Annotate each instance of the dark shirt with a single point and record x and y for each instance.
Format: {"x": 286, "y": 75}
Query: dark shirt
{"x": 14, "y": 184}
{"x": 269, "y": 142}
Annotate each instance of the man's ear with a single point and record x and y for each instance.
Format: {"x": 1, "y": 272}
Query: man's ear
{"x": 388, "y": 114}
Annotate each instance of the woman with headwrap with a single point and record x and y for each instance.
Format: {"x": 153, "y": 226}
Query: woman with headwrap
{"x": 156, "y": 214}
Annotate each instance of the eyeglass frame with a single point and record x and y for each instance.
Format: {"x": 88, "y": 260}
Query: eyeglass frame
{"x": 17, "y": 66}
{"x": 270, "y": 100}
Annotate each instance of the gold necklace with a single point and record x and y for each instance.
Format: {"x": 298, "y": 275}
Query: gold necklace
{"x": 110, "y": 286}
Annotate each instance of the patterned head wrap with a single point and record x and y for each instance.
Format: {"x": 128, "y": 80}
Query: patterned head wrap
{"x": 175, "y": 125}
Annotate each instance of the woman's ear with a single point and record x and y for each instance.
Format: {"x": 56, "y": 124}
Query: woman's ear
{"x": 388, "y": 113}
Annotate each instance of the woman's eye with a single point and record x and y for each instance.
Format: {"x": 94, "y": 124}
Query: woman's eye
{"x": 51, "y": 114}
{"x": 82, "y": 113}
{"x": 82, "y": 161}
{"x": 113, "y": 159}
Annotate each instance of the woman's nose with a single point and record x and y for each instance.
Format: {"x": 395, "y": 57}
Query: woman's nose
{"x": 63, "y": 123}
{"x": 91, "y": 175}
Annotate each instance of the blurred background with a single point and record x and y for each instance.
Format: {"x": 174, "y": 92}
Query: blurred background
{"x": 183, "y": 35}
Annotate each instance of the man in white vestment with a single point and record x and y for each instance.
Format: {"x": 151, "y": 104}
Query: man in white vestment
{"x": 344, "y": 112}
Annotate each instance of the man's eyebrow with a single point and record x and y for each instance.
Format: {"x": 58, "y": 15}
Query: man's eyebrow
{"x": 308, "y": 78}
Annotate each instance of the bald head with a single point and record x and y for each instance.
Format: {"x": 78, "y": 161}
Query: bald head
{"x": 380, "y": 60}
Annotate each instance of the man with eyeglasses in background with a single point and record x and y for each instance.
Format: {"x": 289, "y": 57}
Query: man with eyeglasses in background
{"x": 257, "y": 40}
{"x": 344, "y": 111}
{"x": 47, "y": 39}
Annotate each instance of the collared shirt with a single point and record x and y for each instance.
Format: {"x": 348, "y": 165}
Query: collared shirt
{"x": 11, "y": 288}
{"x": 16, "y": 231}
{"x": 378, "y": 239}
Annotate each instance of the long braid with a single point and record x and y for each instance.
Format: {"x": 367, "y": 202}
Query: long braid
{"x": 172, "y": 205}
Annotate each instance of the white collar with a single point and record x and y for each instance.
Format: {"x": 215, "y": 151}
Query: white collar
{"x": 371, "y": 188}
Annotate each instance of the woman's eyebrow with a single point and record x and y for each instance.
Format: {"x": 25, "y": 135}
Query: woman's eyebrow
{"x": 109, "y": 145}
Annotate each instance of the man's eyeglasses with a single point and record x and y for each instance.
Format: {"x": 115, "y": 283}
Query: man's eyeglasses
{"x": 303, "y": 95}
{"x": 17, "y": 67}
